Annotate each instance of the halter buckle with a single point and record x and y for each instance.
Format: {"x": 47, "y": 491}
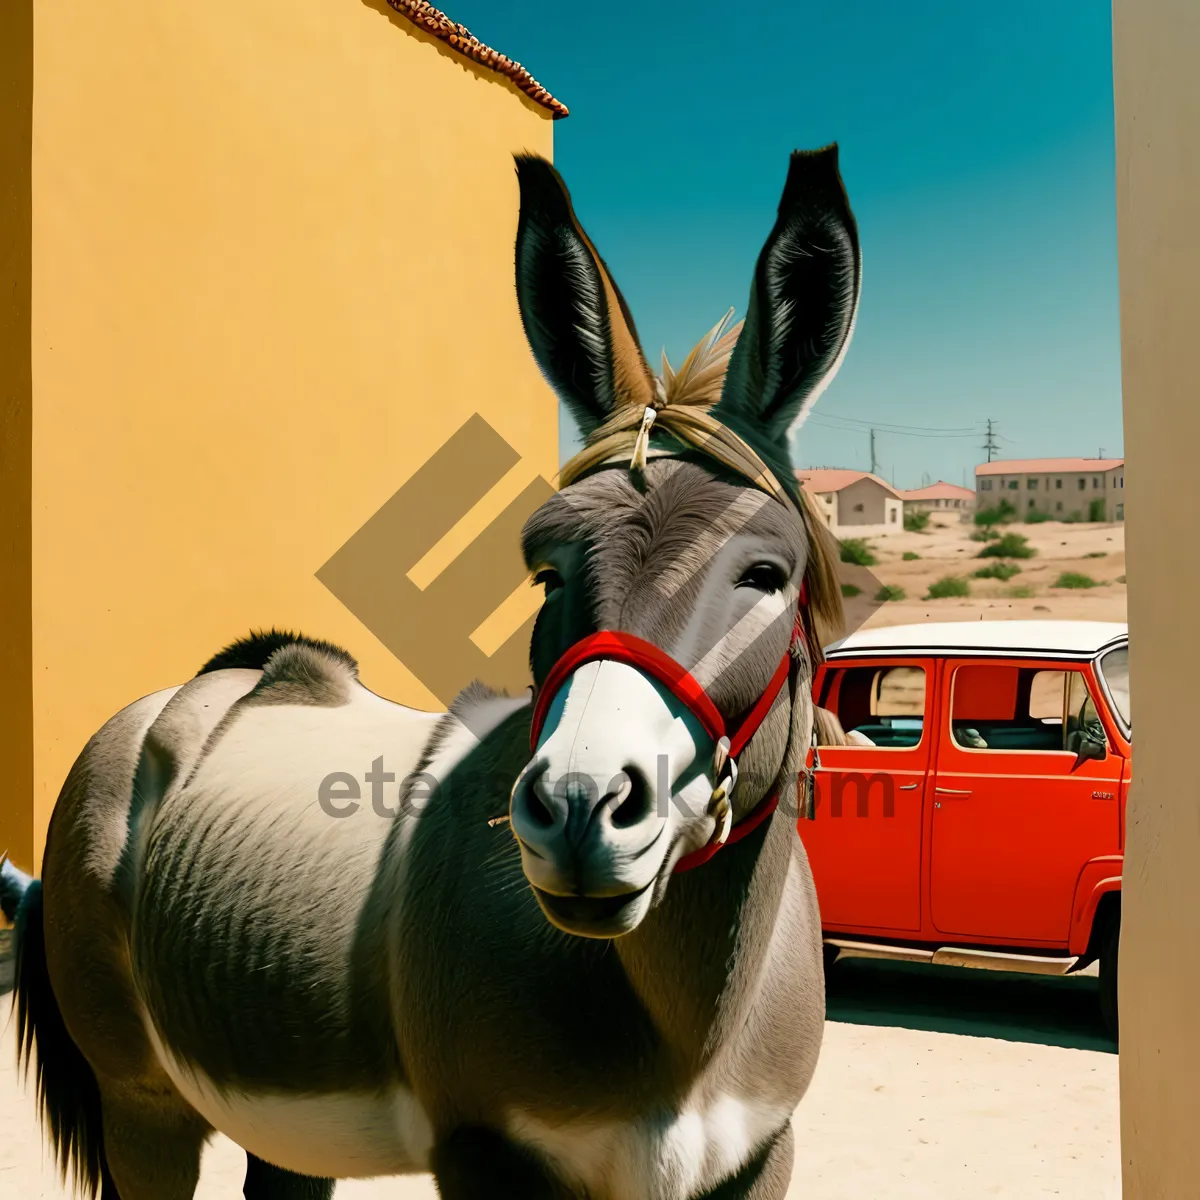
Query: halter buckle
{"x": 637, "y": 462}
{"x": 720, "y": 807}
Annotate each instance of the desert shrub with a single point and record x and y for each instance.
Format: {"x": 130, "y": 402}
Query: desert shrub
{"x": 858, "y": 551}
{"x": 1097, "y": 554}
{"x": 948, "y": 585}
{"x": 916, "y": 522}
{"x": 985, "y": 534}
{"x": 889, "y": 591}
{"x": 1022, "y": 591}
{"x": 1035, "y": 517}
{"x": 997, "y": 514}
{"x": 1096, "y": 511}
{"x": 1073, "y": 579}
{"x": 1072, "y": 518}
{"x": 1010, "y": 545}
{"x": 1003, "y": 571}
{"x": 850, "y": 590}
{"x": 1119, "y": 579}
{"x": 910, "y": 556}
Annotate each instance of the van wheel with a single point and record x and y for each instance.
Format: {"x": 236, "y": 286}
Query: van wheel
{"x": 1110, "y": 944}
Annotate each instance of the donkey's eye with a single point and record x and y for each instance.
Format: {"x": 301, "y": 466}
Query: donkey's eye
{"x": 763, "y": 577}
{"x": 548, "y": 579}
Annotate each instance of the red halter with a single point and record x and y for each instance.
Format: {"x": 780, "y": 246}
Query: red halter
{"x": 612, "y": 646}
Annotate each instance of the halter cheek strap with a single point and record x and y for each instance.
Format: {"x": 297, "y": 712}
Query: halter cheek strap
{"x": 613, "y": 646}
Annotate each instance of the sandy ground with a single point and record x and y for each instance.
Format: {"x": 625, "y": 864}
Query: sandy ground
{"x": 932, "y": 1083}
{"x": 1097, "y": 551}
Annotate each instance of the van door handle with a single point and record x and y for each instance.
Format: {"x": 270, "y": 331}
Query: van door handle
{"x": 941, "y": 791}
{"x": 908, "y": 787}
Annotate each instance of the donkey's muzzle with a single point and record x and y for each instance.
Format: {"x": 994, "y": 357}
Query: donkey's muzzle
{"x": 587, "y": 845}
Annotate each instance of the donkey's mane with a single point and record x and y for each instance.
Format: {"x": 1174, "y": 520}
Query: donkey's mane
{"x": 684, "y": 398}
{"x": 255, "y": 650}
{"x": 701, "y": 375}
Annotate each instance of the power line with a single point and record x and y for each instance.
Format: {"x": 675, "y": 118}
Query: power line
{"x": 820, "y": 423}
{"x": 899, "y": 424}
{"x": 896, "y": 425}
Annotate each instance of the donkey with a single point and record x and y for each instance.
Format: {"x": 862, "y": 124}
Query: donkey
{"x": 537, "y": 977}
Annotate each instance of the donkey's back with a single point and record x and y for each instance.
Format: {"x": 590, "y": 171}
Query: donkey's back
{"x": 180, "y": 854}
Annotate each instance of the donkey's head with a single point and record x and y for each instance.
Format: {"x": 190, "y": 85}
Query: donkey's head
{"x": 681, "y": 527}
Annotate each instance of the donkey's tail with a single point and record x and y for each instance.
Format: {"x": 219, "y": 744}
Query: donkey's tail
{"x": 13, "y": 886}
{"x": 67, "y": 1092}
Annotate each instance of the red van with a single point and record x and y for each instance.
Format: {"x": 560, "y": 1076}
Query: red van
{"x": 970, "y": 809}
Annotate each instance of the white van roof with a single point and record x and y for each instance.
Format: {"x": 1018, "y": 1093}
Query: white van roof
{"x": 1042, "y": 639}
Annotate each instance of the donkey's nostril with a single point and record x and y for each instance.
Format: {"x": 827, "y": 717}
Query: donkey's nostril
{"x": 532, "y": 797}
{"x": 635, "y": 806}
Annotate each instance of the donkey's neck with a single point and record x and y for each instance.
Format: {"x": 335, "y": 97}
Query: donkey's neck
{"x": 697, "y": 960}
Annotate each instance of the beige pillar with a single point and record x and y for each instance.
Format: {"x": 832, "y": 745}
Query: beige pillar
{"x": 1156, "y": 51}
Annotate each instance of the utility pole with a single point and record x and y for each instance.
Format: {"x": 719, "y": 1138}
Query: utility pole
{"x": 874, "y": 462}
{"x": 990, "y": 446}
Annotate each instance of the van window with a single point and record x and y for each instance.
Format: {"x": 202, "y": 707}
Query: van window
{"x": 998, "y": 707}
{"x": 1114, "y": 667}
{"x": 873, "y": 706}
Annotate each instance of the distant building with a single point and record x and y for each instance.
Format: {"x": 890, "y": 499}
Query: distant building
{"x": 853, "y": 503}
{"x": 1081, "y": 489}
{"x": 938, "y": 497}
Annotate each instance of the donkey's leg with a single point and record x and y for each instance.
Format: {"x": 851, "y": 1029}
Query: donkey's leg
{"x": 765, "y": 1177}
{"x": 265, "y": 1182}
{"x": 153, "y": 1149}
{"x": 477, "y": 1163}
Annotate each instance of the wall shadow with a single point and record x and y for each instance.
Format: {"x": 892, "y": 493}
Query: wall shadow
{"x": 16, "y": 429}
{"x": 1044, "y": 1010}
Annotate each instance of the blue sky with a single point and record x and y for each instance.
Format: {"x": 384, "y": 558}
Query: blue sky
{"x": 977, "y": 147}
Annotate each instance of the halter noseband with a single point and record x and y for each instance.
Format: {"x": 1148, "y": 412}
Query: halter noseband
{"x": 730, "y": 739}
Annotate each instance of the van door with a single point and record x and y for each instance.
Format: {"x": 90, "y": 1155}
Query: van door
{"x": 1016, "y": 814}
{"x": 865, "y": 841}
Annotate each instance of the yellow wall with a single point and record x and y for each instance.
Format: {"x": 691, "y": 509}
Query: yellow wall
{"x": 1156, "y": 48}
{"x": 272, "y": 271}
{"x": 16, "y": 665}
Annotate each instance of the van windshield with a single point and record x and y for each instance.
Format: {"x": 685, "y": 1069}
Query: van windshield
{"x": 1114, "y": 666}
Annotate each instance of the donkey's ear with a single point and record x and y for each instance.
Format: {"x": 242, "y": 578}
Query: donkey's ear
{"x": 576, "y": 320}
{"x": 802, "y": 304}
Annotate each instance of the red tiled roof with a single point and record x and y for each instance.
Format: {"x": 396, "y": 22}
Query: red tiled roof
{"x": 432, "y": 20}
{"x": 833, "y": 479}
{"x": 1034, "y": 466}
{"x": 938, "y": 491}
